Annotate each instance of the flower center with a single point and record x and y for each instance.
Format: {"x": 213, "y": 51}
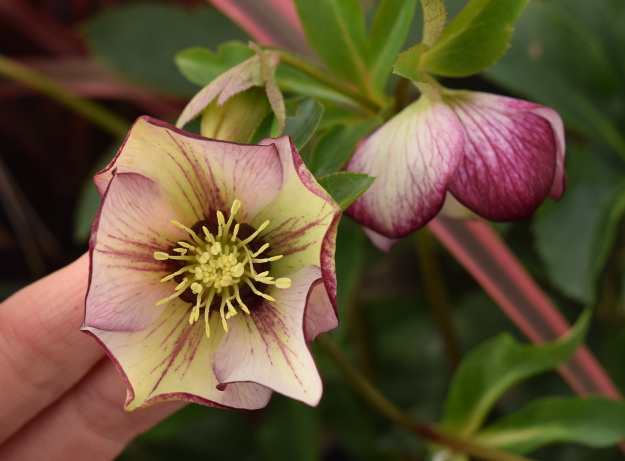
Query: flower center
{"x": 219, "y": 267}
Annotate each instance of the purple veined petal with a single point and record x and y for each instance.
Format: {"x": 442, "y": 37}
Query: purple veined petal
{"x": 235, "y": 80}
{"x": 124, "y": 282}
{"x": 199, "y": 175}
{"x": 171, "y": 360}
{"x": 413, "y": 157}
{"x": 559, "y": 180}
{"x": 514, "y": 150}
{"x": 269, "y": 347}
{"x": 382, "y": 242}
{"x": 304, "y": 222}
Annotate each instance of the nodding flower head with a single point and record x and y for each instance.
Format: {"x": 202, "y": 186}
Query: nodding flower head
{"x": 499, "y": 157}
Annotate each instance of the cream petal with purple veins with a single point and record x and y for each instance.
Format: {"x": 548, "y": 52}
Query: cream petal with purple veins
{"x": 171, "y": 360}
{"x": 513, "y": 157}
{"x": 269, "y": 346}
{"x": 199, "y": 175}
{"x": 233, "y": 234}
{"x": 303, "y": 229}
{"x": 132, "y": 224}
{"x": 412, "y": 157}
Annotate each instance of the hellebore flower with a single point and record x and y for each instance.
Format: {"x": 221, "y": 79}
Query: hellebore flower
{"x": 500, "y": 157}
{"x": 212, "y": 265}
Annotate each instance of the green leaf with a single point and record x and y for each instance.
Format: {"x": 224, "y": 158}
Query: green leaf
{"x": 345, "y": 187}
{"x": 489, "y": 370}
{"x": 293, "y": 81}
{"x": 335, "y": 29}
{"x": 594, "y": 422}
{"x": 302, "y": 119}
{"x": 475, "y": 39}
{"x": 407, "y": 63}
{"x": 434, "y": 19}
{"x": 290, "y": 431}
{"x": 336, "y": 115}
{"x": 140, "y": 41}
{"x": 335, "y": 146}
{"x": 388, "y": 33}
{"x": 200, "y": 65}
{"x": 585, "y": 219}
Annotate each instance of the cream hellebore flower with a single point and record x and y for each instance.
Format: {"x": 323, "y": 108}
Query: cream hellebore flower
{"x": 499, "y": 157}
{"x": 212, "y": 266}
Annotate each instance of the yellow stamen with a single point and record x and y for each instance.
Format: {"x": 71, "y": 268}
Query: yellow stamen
{"x": 219, "y": 265}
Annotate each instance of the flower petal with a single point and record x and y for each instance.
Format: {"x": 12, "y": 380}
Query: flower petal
{"x": 268, "y": 347}
{"x": 304, "y": 221}
{"x": 413, "y": 157}
{"x": 133, "y": 222}
{"x": 513, "y": 156}
{"x": 171, "y": 360}
{"x": 320, "y": 315}
{"x": 198, "y": 175}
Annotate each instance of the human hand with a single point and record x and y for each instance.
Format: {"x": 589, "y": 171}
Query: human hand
{"x": 61, "y": 398}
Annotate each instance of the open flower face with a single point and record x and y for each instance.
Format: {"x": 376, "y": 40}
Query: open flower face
{"x": 212, "y": 266}
{"x": 500, "y": 157}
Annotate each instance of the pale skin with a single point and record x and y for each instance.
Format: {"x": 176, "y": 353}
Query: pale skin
{"x": 61, "y": 398}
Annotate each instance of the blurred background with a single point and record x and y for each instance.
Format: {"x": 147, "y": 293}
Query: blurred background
{"x": 567, "y": 54}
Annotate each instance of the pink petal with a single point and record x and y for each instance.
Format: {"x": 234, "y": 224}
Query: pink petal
{"x": 513, "y": 157}
{"x": 413, "y": 157}
{"x": 320, "y": 315}
{"x": 380, "y": 241}
{"x": 269, "y": 348}
{"x": 304, "y": 221}
{"x": 133, "y": 222}
{"x": 171, "y": 360}
{"x": 198, "y": 175}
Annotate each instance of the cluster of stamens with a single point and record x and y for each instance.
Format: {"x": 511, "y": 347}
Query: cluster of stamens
{"x": 217, "y": 267}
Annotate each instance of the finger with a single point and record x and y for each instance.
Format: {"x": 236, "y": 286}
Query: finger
{"x": 42, "y": 351}
{"x": 89, "y": 422}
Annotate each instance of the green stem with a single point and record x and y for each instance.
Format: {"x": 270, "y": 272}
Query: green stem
{"x": 387, "y": 408}
{"x": 101, "y": 117}
{"x": 436, "y": 295}
{"x": 323, "y": 77}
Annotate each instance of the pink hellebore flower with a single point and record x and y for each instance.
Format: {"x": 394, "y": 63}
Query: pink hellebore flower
{"x": 212, "y": 266}
{"x": 500, "y": 157}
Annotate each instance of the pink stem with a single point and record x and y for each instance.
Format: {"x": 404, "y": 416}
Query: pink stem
{"x": 487, "y": 258}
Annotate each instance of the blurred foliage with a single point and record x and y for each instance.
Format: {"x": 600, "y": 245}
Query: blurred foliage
{"x": 140, "y": 41}
{"x": 567, "y": 54}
